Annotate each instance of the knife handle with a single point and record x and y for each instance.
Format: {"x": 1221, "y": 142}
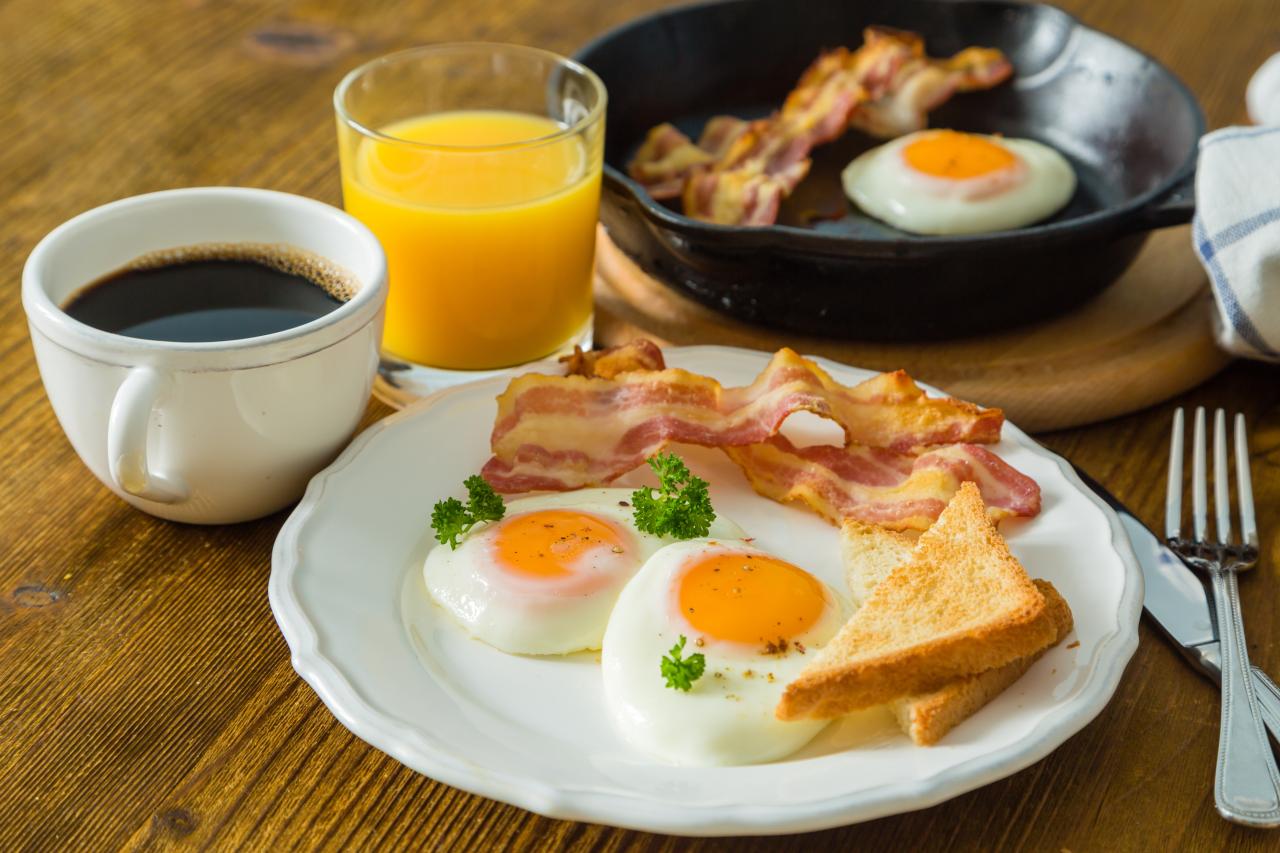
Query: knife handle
{"x": 1268, "y": 700}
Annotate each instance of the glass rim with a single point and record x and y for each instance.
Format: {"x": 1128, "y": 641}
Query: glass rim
{"x": 593, "y": 115}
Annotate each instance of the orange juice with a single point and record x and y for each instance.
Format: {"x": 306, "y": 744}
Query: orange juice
{"x": 488, "y": 221}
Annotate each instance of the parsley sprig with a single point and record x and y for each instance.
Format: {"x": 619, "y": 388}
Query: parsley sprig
{"x": 680, "y": 672}
{"x": 682, "y": 507}
{"x": 451, "y": 518}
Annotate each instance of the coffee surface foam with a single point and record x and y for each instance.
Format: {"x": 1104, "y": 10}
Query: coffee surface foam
{"x": 331, "y": 277}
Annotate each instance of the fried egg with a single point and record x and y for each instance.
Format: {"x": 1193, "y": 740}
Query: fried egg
{"x": 755, "y": 618}
{"x": 544, "y": 579}
{"x": 947, "y": 182}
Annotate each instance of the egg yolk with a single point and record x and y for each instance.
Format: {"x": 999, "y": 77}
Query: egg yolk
{"x": 750, "y": 598}
{"x": 956, "y": 156}
{"x": 548, "y": 543}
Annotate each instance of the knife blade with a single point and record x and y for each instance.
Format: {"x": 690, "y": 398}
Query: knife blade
{"x": 1177, "y": 601}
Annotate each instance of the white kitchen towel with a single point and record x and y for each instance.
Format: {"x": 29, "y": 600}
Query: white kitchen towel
{"x": 1236, "y": 233}
{"x": 1262, "y": 96}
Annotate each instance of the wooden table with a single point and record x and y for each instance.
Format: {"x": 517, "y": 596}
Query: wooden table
{"x": 146, "y": 696}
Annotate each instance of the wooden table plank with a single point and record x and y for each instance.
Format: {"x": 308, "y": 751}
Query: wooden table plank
{"x": 146, "y": 696}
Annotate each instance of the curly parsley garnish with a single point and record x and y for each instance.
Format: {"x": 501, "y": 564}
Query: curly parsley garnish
{"x": 682, "y": 507}
{"x": 451, "y": 518}
{"x": 680, "y": 672}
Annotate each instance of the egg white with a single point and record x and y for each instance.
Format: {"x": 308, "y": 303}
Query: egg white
{"x": 728, "y": 716}
{"x": 529, "y": 616}
{"x": 881, "y": 184}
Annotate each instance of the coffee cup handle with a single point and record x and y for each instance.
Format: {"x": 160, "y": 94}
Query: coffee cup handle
{"x": 127, "y": 439}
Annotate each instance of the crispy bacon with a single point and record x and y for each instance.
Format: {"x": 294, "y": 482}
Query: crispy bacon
{"x": 739, "y": 172}
{"x": 667, "y": 157}
{"x": 665, "y": 160}
{"x": 741, "y": 196}
{"x": 769, "y": 158}
{"x": 879, "y": 486}
{"x": 568, "y": 432}
{"x": 912, "y": 84}
{"x": 721, "y": 133}
{"x": 639, "y": 354}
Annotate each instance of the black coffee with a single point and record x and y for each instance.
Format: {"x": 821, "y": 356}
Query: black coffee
{"x": 213, "y": 292}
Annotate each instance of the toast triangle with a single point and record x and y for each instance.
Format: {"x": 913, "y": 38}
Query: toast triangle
{"x": 927, "y": 717}
{"x": 870, "y": 553}
{"x": 961, "y": 605}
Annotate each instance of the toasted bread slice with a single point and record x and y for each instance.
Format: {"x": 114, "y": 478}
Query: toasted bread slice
{"x": 960, "y": 606}
{"x": 927, "y": 717}
{"x": 869, "y": 554}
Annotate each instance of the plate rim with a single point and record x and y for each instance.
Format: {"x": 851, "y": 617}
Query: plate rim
{"x": 410, "y": 747}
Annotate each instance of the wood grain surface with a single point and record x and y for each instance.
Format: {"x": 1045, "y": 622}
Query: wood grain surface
{"x": 146, "y": 696}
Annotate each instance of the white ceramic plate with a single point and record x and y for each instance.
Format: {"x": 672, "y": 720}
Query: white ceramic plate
{"x": 395, "y": 670}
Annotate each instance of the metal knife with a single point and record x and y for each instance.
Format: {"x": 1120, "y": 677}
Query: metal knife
{"x": 1178, "y": 602}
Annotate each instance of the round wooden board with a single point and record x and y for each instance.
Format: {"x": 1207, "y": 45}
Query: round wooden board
{"x": 1145, "y": 339}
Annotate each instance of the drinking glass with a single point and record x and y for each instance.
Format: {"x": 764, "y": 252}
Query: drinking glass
{"x": 478, "y": 168}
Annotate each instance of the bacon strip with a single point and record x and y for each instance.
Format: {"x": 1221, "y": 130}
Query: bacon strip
{"x": 905, "y": 453}
{"x": 919, "y": 84}
{"x": 667, "y": 157}
{"x": 739, "y": 172}
{"x": 879, "y": 486}
{"x": 639, "y": 354}
{"x": 573, "y": 431}
{"x": 665, "y": 160}
{"x": 721, "y": 134}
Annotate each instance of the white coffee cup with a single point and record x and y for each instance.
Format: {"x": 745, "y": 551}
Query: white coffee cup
{"x": 209, "y": 432}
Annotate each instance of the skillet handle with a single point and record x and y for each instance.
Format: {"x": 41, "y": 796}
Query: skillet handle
{"x": 1175, "y": 207}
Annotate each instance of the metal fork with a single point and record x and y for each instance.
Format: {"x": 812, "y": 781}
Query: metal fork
{"x": 1247, "y": 785}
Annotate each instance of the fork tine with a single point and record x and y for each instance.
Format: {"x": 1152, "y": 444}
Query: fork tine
{"x": 1221, "y": 479}
{"x": 1173, "y": 492}
{"x": 1244, "y": 483}
{"x": 1199, "y": 480}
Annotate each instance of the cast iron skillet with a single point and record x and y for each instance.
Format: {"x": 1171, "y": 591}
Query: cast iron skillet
{"x": 1127, "y": 125}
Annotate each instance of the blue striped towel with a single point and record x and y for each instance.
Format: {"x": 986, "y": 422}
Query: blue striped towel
{"x": 1236, "y": 233}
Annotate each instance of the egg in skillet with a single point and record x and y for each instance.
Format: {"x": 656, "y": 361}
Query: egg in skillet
{"x": 544, "y": 579}
{"x": 754, "y": 618}
{"x": 946, "y": 182}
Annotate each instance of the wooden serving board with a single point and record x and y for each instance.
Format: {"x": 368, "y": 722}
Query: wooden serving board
{"x": 1145, "y": 339}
